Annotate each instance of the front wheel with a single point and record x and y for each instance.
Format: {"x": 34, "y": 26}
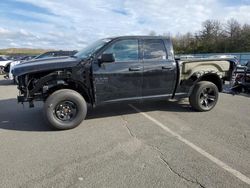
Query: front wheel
{"x": 65, "y": 109}
{"x": 204, "y": 96}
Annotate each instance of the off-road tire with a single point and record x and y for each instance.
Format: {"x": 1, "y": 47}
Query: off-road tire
{"x": 197, "y": 98}
{"x": 59, "y": 99}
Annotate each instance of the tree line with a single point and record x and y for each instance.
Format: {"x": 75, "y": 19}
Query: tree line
{"x": 215, "y": 37}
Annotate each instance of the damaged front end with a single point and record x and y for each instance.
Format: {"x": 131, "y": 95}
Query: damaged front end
{"x": 39, "y": 86}
{"x": 36, "y": 87}
{"x": 37, "y": 80}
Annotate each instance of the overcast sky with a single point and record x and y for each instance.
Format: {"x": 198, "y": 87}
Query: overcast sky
{"x": 72, "y": 24}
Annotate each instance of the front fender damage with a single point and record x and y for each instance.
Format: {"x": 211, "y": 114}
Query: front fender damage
{"x": 38, "y": 87}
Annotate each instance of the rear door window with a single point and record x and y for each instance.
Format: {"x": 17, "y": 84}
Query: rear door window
{"x": 154, "y": 49}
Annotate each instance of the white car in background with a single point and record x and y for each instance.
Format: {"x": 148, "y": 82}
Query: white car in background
{"x": 3, "y": 63}
{"x": 9, "y": 67}
{"x": 49, "y": 54}
{"x": 12, "y": 64}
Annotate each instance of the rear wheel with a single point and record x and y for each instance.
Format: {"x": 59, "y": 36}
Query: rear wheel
{"x": 204, "y": 96}
{"x": 65, "y": 109}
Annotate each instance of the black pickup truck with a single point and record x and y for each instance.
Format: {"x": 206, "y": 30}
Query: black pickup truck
{"x": 119, "y": 69}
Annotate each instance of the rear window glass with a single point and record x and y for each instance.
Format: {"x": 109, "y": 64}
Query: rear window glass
{"x": 154, "y": 49}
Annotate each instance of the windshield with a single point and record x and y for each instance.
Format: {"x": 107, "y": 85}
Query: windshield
{"x": 89, "y": 50}
{"x": 45, "y": 55}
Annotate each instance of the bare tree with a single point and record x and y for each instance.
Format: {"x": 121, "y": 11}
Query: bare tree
{"x": 211, "y": 35}
{"x": 215, "y": 36}
{"x": 245, "y": 38}
{"x": 233, "y": 28}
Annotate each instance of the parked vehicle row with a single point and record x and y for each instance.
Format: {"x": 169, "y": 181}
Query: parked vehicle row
{"x": 129, "y": 68}
{"x": 10, "y": 64}
{"x": 3, "y": 63}
{"x": 242, "y": 79}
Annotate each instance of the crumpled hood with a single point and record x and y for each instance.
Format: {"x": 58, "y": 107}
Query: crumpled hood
{"x": 44, "y": 65}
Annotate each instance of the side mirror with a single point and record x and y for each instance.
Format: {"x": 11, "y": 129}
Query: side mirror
{"x": 107, "y": 58}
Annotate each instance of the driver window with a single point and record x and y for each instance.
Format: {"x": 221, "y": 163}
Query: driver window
{"x": 124, "y": 50}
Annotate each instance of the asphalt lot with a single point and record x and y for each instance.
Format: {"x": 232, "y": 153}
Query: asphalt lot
{"x": 119, "y": 147}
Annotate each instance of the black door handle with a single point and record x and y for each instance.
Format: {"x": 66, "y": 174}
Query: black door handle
{"x": 167, "y": 68}
{"x": 134, "y": 68}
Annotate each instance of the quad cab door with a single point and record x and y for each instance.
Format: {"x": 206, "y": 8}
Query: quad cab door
{"x": 159, "y": 70}
{"x": 122, "y": 79}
